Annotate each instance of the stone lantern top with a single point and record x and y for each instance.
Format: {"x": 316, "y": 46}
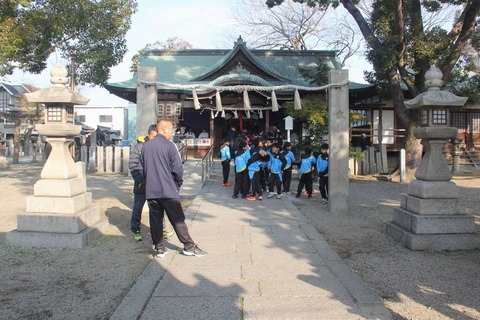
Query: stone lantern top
{"x": 434, "y": 97}
{"x": 433, "y": 79}
{"x": 58, "y": 92}
{"x": 58, "y": 75}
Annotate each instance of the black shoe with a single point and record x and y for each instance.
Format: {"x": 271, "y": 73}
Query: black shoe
{"x": 161, "y": 251}
{"x": 297, "y": 195}
{"x": 234, "y": 197}
{"x": 194, "y": 251}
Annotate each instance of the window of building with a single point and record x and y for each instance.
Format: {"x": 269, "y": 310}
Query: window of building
{"x": 106, "y": 118}
{"x": 69, "y": 110}
{"x": 424, "y": 117}
{"x": 81, "y": 118}
{"x": 362, "y": 122}
{"x": 439, "y": 116}
{"x": 54, "y": 114}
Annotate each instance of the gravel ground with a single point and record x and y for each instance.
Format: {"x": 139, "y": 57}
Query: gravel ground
{"x": 90, "y": 283}
{"x": 413, "y": 284}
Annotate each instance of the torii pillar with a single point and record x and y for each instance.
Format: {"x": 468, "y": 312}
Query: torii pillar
{"x": 147, "y": 100}
{"x": 338, "y": 115}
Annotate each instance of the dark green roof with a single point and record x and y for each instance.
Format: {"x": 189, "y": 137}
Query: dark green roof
{"x": 235, "y": 66}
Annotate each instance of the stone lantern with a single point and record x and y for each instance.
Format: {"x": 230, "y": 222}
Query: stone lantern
{"x": 431, "y": 216}
{"x": 61, "y": 212}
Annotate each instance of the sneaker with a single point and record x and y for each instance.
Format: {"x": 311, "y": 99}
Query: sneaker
{"x": 260, "y": 198}
{"x": 286, "y": 192}
{"x": 234, "y": 197}
{"x": 279, "y": 196}
{"x": 161, "y": 251}
{"x": 194, "y": 251}
{"x": 137, "y": 236}
{"x": 324, "y": 201}
{"x": 251, "y": 198}
{"x": 168, "y": 233}
{"x": 271, "y": 195}
{"x": 226, "y": 184}
{"x": 297, "y": 195}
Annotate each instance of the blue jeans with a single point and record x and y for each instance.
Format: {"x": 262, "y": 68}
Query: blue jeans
{"x": 138, "y": 203}
{"x": 139, "y": 200}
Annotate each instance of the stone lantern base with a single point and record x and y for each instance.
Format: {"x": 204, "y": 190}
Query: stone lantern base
{"x": 60, "y": 214}
{"x": 431, "y": 217}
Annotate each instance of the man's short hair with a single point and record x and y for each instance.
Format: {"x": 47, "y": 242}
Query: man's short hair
{"x": 152, "y": 127}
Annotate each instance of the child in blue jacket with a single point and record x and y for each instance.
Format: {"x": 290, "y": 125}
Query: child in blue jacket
{"x": 287, "y": 172}
{"x": 225, "y": 158}
{"x": 307, "y": 163}
{"x": 241, "y": 180}
{"x": 322, "y": 168}
{"x": 276, "y": 165}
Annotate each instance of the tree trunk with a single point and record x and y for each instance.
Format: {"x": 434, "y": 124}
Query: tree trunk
{"x": 413, "y": 153}
{"x": 410, "y": 120}
{"x": 16, "y": 142}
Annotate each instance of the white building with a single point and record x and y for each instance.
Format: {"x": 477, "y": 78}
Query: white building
{"x": 115, "y": 118}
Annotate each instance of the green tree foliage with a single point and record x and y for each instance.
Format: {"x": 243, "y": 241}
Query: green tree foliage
{"x": 173, "y": 43}
{"x": 91, "y": 30}
{"x": 314, "y": 114}
{"x": 401, "y": 47}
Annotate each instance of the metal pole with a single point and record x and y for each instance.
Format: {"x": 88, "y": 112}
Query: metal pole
{"x": 402, "y": 165}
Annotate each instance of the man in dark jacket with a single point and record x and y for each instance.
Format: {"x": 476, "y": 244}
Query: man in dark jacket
{"x": 163, "y": 172}
{"x": 136, "y": 170}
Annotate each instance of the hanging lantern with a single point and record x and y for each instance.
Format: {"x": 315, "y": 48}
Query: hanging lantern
{"x": 296, "y": 101}
{"x": 218, "y": 101}
{"x": 246, "y": 100}
{"x": 196, "y": 103}
{"x": 274, "y": 102}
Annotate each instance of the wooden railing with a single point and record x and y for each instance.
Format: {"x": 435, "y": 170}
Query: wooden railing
{"x": 390, "y": 137}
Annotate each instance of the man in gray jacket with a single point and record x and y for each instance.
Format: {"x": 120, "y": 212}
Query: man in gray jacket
{"x": 163, "y": 172}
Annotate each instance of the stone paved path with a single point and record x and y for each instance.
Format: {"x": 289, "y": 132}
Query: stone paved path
{"x": 265, "y": 261}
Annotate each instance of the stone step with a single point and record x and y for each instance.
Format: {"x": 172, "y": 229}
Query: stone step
{"x": 59, "y": 223}
{"x": 440, "y": 242}
{"x": 29, "y": 239}
{"x": 431, "y": 206}
{"x": 433, "y": 224}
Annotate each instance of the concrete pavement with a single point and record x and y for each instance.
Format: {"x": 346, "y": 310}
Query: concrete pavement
{"x": 265, "y": 261}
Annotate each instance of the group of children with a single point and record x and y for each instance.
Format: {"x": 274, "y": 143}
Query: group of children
{"x": 265, "y": 163}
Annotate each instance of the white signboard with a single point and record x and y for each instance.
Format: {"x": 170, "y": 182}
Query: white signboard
{"x": 288, "y": 123}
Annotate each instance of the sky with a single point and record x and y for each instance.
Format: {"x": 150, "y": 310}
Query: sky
{"x": 199, "y": 22}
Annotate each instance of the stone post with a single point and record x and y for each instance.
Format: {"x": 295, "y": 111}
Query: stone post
{"x": 338, "y": 141}
{"x": 147, "y": 101}
{"x": 456, "y": 153}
